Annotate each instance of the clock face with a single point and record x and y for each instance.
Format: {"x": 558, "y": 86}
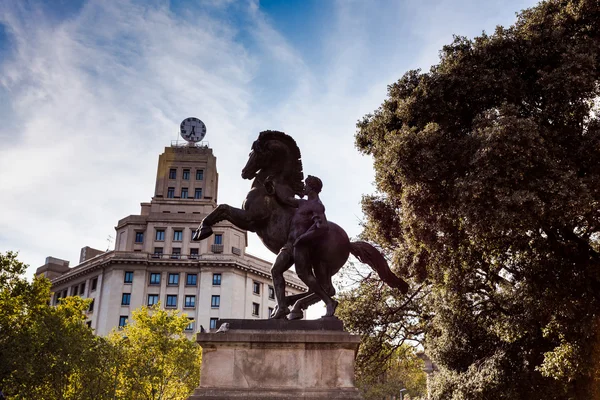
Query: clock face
{"x": 192, "y": 129}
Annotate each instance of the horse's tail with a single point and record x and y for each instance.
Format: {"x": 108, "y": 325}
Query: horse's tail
{"x": 370, "y": 255}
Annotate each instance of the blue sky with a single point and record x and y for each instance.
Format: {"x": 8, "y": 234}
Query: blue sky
{"x": 92, "y": 91}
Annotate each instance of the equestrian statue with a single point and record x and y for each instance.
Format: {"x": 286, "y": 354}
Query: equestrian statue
{"x": 296, "y": 229}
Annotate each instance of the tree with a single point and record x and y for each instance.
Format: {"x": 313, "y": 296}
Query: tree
{"x": 389, "y": 326}
{"x": 157, "y": 361}
{"x": 47, "y": 352}
{"x": 488, "y": 171}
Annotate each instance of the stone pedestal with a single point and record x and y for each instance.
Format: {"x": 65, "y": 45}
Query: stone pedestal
{"x": 271, "y": 360}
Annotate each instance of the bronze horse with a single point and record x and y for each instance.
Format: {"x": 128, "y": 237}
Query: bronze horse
{"x": 276, "y": 156}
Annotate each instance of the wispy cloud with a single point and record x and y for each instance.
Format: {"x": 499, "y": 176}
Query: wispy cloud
{"x": 95, "y": 99}
{"x": 90, "y": 101}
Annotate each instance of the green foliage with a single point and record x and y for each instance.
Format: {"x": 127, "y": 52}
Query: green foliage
{"x": 402, "y": 370}
{"x": 157, "y": 361}
{"x": 385, "y": 361}
{"x": 47, "y": 352}
{"x": 488, "y": 170}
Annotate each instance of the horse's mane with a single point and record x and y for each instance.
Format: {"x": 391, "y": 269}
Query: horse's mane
{"x": 295, "y": 177}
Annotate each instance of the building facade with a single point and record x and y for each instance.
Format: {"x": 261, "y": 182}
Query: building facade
{"x": 155, "y": 259}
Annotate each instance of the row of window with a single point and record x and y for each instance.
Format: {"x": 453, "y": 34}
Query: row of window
{"x": 256, "y": 289}
{"x": 171, "y": 301}
{"x": 190, "y": 327}
{"x": 184, "y": 193}
{"x": 175, "y": 253}
{"x": 76, "y": 290}
{"x": 177, "y": 236}
{"x": 213, "y": 321}
{"x": 192, "y": 280}
{"x": 173, "y": 278}
{"x": 186, "y": 174}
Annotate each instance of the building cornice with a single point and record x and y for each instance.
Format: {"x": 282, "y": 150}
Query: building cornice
{"x": 138, "y": 258}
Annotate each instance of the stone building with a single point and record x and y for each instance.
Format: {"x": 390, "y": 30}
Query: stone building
{"x": 155, "y": 259}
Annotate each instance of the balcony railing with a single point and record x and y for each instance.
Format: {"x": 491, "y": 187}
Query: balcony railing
{"x": 216, "y": 248}
{"x": 174, "y": 256}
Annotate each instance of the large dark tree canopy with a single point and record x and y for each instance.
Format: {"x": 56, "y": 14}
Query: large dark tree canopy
{"x": 488, "y": 171}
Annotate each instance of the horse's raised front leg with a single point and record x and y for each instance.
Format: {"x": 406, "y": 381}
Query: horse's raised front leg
{"x": 240, "y": 218}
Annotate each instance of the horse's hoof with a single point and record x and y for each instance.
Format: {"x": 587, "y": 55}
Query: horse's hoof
{"x": 280, "y": 313}
{"x": 202, "y": 233}
{"x": 295, "y": 315}
{"x": 330, "y": 309}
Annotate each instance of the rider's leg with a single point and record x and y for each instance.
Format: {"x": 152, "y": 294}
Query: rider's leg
{"x": 282, "y": 263}
{"x": 305, "y": 273}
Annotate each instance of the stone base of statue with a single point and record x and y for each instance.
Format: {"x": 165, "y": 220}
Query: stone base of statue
{"x": 278, "y": 359}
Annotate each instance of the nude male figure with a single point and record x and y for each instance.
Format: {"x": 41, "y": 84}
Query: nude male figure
{"x": 308, "y": 224}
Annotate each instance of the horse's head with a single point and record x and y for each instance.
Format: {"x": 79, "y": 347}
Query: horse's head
{"x": 277, "y": 154}
{"x": 260, "y": 157}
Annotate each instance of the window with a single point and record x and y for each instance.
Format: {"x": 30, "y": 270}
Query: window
{"x": 122, "y": 321}
{"x": 184, "y": 193}
{"x": 270, "y": 311}
{"x": 178, "y": 236}
{"x": 158, "y": 252}
{"x": 193, "y": 254}
{"x": 170, "y": 192}
{"x": 198, "y": 194}
{"x": 190, "y": 326}
{"x": 152, "y": 299}
{"x": 173, "y": 173}
{"x": 88, "y": 324}
{"x": 139, "y": 237}
{"x": 160, "y": 234}
{"x": 82, "y": 288}
{"x": 155, "y": 278}
{"x": 94, "y": 283}
{"x": 191, "y": 279}
{"x": 173, "y": 279}
{"x": 256, "y": 287}
{"x": 199, "y": 174}
{"x": 190, "y": 301}
{"x": 186, "y": 174}
{"x": 176, "y": 253}
{"x": 74, "y": 290}
{"x": 215, "y": 301}
{"x": 171, "y": 300}
{"x": 126, "y": 299}
{"x": 255, "y": 309}
{"x": 216, "y": 279}
{"x": 91, "y": 307}
{"x": 218, "y": 238}
{"x": 271, "y": 292}
{"x": 213, "y": 323}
